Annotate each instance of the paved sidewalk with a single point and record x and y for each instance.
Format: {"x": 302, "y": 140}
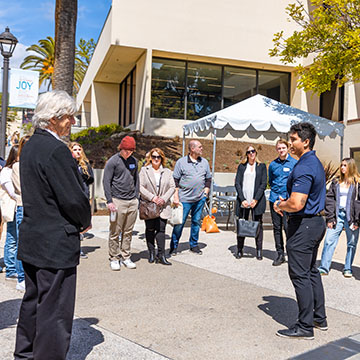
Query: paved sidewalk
{"x": 203, "y": 307}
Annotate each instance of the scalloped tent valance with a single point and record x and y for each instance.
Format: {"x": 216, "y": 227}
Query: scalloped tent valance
{"x": 261, "y": 113}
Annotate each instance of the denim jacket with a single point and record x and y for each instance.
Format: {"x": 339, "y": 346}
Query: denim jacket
{"x": 333, "y": 201}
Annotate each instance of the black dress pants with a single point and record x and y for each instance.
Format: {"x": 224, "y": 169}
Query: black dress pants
{"x": 155, "y": 229}
{"x": 46, "y": 314}
{"x": 279, "y": 222}
{"x": 244, "y": 214}
{"x": 304, "y": 237}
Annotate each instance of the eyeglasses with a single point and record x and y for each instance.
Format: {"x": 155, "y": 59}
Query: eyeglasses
{"x": 156, "y": 157}
{"x": 250, "y": 152}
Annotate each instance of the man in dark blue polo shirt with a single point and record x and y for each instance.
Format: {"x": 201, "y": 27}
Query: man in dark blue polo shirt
{"x": 279, "y": 171}
{"x": 306, "y": 228}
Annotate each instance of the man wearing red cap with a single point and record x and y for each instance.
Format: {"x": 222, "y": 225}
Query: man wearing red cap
{"x": 121, "y": 187}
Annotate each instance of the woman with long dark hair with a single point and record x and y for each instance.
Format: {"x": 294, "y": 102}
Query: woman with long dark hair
{"x": 250, "y": 183}
{"x": 14, "y": 269}
{"x": 340, "y": 214}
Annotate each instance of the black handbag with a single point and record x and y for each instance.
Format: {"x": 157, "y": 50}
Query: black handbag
{"x": 248, "y": 228}
{"x": 357, "y": 204}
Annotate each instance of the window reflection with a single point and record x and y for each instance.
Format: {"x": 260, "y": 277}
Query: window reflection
{"x": 274, "y": 85}
{"x": 203, "y": 90}
{"x": 168, "y": 89}
{"x": 239, "y": 84}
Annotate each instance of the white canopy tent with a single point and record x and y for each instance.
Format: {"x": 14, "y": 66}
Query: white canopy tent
{"x": 263, "y": 115}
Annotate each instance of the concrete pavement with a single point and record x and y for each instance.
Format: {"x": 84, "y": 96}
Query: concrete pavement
{"x": 203, "y": 307}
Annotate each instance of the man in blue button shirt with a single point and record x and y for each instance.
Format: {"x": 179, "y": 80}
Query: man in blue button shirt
{"x": 279, "y": 171}
{"x": 306, "y": 228}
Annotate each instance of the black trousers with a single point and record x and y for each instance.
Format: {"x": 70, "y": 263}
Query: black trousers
{"x": 244, "y": 214}
{"x": 155, "y": 229}
{"x": 279, "y": 222}
{"x": 46, "y": 314}
{"x": 304, "y": 237}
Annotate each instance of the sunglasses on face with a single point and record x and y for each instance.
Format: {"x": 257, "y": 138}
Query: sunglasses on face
{"x": 156, "y": 157}
{"x": 250, "y": 152}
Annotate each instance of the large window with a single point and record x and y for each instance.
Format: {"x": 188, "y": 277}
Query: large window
{"x": 168, "y": 89}
{"x": 239, "y": 84}
{"x": 127, "y": 100}
{"x": 190, "y": 90}
{"x": 355, "y": 154}
{"x": 203, "y": 90}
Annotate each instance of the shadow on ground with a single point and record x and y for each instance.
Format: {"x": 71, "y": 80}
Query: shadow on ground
{"x": 9, "y": 312}
{"x": 283, "y": 310}
{"x": 84, "y": 338}
{"x": 340, "y": 267}
{"x": 250, "y": 252}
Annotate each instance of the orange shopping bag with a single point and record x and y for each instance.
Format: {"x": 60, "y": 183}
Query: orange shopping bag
{"x": 211, "y": 226}
{"x": 204, "y": 222}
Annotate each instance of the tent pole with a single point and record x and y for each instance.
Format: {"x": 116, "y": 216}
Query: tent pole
{"x": 213, "y": 173}
{"x": 183, "y": 144}
{"x": 341, "y": 148}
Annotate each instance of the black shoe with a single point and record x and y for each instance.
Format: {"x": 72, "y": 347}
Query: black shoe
{"x": 196, "y": 250}
{"x": 239, "y": 254}
{"x": 259, "y": 254}
{"x": 323, "y": 326}
{"x": 83, "y": 255}
{"x": 151, "y": 257}
{"x": 173, "y": 251}
{"x": 279, "y": 260}
{"x": 162, "y": 260}
{"x": 296, "y": 332}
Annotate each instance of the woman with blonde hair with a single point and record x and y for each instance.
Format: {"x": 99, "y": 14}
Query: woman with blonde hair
{"x": 86, "y": 173}
{"x": 157, "y": 185}
{"x": 341, "y": 214}
{"x": 250, "y": 183}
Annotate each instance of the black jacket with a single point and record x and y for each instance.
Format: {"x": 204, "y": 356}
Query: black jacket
{"x": 56, "y": 208}
{"x": 332, "y": 204}
{"x": 259, "y": 191}
{"x": 87, "y": 179}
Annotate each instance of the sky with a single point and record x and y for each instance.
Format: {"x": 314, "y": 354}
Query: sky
{"x": 32, "y": 20}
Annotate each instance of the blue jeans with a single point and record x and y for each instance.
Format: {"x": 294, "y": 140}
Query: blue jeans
{"x": 196, "y": 209}
{"x": 13, "y": 265}
{"x": 332, "y": 238}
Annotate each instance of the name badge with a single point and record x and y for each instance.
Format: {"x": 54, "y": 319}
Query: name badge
{"x": 131, "y": 166}
{"x": 286, "y": 169}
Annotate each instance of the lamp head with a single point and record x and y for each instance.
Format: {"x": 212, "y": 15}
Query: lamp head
{"x": 7, "y": 43}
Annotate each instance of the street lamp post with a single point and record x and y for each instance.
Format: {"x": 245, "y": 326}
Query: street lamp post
{"x": 7, "y": 46}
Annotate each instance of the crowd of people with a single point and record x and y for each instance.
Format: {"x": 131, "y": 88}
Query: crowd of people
{"x": 51, "y": 211}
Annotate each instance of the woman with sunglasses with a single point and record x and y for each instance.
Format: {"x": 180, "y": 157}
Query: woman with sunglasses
{"x": 157, "y": 185}
{"x": 250, "y": 183}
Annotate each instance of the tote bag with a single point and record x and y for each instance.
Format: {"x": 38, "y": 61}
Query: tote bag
{"x": 248, "y": 228}
{"x": 176, "y": 215}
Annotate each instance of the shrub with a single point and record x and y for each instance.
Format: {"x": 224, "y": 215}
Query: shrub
{"x": 94, "y": 134}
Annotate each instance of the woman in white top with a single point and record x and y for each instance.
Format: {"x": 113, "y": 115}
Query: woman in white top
{"x": 250, "y": 183}
{"x": 14, "y": 269}
{"x": 341, "y": 213}
{"x": 157, "y": 185}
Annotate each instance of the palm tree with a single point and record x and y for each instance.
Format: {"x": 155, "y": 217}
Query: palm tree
{"x": 43, "y": 61}
{"x": 65, "y": 28}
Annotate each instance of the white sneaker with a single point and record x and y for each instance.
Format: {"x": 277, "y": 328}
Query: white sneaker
{"x": 115, "y": 265}
{"x": 129, "y": 264}
{"x": 21, "y": 286}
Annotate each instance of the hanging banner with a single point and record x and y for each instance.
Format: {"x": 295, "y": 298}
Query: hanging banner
{"x": 23, "y": 88}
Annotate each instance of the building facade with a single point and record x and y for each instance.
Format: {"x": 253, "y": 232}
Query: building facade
{"x": 160, "y": 64}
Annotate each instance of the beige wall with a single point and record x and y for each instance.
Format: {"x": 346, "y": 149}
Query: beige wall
{"x": 104, "y": 103}
{"x": 228, "y": 29}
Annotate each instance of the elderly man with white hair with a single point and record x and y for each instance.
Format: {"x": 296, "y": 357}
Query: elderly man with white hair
{"x": 56, "y": 210}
